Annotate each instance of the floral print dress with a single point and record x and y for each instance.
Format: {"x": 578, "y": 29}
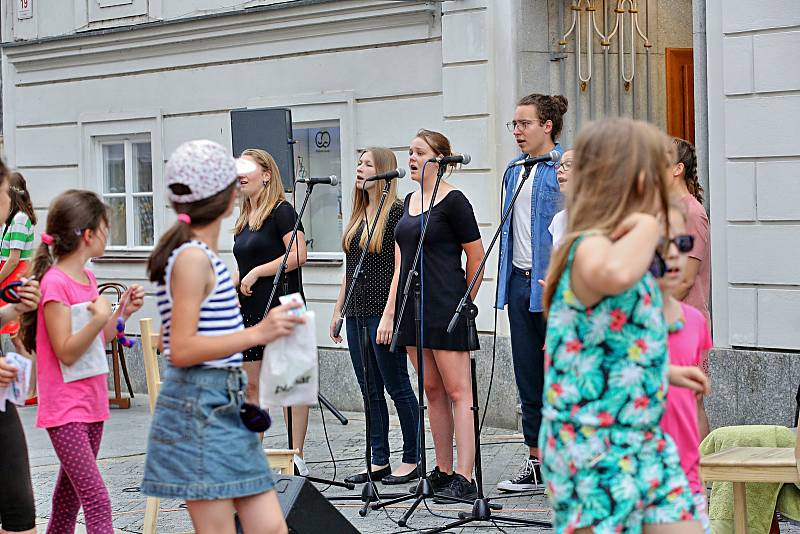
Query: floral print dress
{"x": 606, "y": 462}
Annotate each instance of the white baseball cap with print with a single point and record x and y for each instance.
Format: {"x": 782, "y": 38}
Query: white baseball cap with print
{"x": 204, "y": 168}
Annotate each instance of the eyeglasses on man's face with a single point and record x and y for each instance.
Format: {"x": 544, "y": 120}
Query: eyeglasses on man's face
{"x": 519, "y": 125}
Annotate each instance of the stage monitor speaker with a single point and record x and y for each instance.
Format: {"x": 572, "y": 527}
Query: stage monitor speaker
{"x": 269, "y": 129}
{"x": 306, "y": 510}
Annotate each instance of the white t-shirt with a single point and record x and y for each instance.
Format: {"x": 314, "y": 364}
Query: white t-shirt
{"x": 523, "y": 257}
{"x": 558, "y": 227}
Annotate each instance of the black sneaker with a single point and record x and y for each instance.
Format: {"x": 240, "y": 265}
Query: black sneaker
{"x": 459, "y": 488}
{"x": 439, "y": 480}
{"x": 528, "y": 478}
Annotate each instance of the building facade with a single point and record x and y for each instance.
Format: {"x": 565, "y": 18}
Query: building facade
{"x": 97, "y": 94}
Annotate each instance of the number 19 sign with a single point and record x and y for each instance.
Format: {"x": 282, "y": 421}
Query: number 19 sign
{"x": 24, "y": 9}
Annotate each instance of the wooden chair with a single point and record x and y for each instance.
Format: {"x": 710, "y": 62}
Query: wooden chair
{"x": 751, "y": 464}
{"x": 150, "y": 343}
{"x": 117, "y": 353}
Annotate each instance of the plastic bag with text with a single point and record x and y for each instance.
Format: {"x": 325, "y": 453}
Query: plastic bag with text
{"x": 290, "y": 371}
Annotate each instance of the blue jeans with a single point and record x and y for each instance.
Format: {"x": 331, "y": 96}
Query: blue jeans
{"x": 390, "y": 371}
{"x": 527, "y": 350}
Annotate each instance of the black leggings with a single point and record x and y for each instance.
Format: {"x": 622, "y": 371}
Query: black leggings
{"x": 17, "y": 512}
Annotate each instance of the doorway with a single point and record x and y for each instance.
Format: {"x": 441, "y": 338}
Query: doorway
{"x": 680, "y": 93}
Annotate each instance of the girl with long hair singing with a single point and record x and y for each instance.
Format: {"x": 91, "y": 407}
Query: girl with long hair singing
{"x": 373, "y": 305}
{"x": 262, "y": 233}
{"x": 452, "y": 232}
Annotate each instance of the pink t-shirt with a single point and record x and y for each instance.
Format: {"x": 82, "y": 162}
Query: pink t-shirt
{"x": 697, "y": 225}
{"x": 81, "y": 401}
{"x": 686, "y": 347}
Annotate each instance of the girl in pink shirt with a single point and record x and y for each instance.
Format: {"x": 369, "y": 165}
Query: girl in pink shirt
{"x": 688, "y": 341}
{"x": 73, "y": 411}
{"x": 695, "y": 283}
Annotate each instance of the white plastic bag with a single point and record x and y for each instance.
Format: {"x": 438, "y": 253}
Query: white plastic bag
{"x": 290, "y": 371}
{"x": 17, "y": 390}
{"x": 93, "y": 362}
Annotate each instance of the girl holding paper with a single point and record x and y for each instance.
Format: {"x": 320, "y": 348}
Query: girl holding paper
{"x": 17, "y": 511}
{"x": 73, "y": 408}
{"x": 200, "y": 412}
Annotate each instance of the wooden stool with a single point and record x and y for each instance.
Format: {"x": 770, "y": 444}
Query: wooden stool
{"x": 281, "y": 460}
{"x": 150, "y": 342}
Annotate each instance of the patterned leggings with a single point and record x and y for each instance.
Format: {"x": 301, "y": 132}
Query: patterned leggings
{"x": 79, "y": 481}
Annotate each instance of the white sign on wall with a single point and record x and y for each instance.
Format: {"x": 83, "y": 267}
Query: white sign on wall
{"x": 24, "y": 9}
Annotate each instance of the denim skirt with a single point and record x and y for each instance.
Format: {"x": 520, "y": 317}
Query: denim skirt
{"x": 198, "y": 447}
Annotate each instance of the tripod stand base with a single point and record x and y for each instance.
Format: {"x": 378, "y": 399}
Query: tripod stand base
{"x": 482, "y": 511}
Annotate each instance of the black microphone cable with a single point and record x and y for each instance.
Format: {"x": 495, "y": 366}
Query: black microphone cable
{"x": 503, "y": 191}
{"x": 300, "y": 282}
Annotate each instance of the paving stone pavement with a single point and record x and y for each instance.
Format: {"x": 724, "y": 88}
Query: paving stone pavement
{"x": 121, "y": 461}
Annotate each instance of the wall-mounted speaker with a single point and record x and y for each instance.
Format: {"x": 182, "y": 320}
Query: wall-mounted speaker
{"x": 269, "y": 129}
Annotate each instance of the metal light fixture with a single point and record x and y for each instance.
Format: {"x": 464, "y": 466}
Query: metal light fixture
{"x": 589, "y": 8}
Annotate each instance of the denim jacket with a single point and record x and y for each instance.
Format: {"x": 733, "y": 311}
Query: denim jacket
{"x": 546, "y": 201}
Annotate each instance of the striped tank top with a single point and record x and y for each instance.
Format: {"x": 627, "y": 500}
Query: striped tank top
{"x": 219, "y": 311}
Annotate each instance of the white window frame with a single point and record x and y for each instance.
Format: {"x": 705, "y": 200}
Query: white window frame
{"x": 313, "y": 109}
{"x": 99, "y": 127}
{"x": 127, "y": 141}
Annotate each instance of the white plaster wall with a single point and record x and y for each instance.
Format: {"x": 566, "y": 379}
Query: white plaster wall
{"x": 384, "y": 70}
{"x": 754, "y": 167}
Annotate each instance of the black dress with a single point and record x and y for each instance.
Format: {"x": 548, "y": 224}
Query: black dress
{"x": 253, "y": 248}
{"x": 452, "y": 224}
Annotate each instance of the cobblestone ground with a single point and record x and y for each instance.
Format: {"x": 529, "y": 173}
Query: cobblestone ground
{"x": 122, "y": 461}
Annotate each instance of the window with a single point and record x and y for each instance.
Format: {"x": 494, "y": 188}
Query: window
{"x": 318, "y": 153}
{"x": 126, "y": 165}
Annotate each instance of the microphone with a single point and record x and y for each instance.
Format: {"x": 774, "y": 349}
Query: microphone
{"x": 464, "y": 159}
{"x": 553, "y": 155}
{"x": 391, "y": 175}
{"x": 328, "y": 180}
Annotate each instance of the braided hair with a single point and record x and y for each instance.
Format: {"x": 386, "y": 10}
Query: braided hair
{"x": 688, "y": 156}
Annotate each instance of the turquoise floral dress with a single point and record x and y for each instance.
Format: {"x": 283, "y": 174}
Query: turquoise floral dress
{"x": 606, "y": 462}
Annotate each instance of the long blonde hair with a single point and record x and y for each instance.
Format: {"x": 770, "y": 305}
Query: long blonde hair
{"x": 610, "y": 156}
{"x": 384, "y": 161}
{"x": 267, "y": 199}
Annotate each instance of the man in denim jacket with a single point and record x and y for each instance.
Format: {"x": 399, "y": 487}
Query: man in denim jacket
{"x": 524, "y": 256}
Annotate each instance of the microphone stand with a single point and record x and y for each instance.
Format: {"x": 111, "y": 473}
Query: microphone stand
{"x": 424, "y": 489}
{"x": 481, "y": 508}
{"x": 369, "y": 493}
{"x": 277, "y": 280}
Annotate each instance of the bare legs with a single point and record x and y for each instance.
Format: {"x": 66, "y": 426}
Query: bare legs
{"x": 299, "y": 413}
{"x": 684, "y": 527}
{"x": 259, "y": 514}
{"x": 448, "y": 390}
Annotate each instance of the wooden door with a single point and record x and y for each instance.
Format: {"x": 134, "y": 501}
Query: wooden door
{"x": 680, "y": 93}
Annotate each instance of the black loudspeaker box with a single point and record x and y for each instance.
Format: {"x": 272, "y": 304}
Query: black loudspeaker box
{"x": 306, "y": 510}
{"x": 269, "y": 129}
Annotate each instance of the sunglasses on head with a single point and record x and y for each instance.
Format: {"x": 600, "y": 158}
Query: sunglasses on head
{"x": 684, "y": 243}
{"x": 255, "y": 418}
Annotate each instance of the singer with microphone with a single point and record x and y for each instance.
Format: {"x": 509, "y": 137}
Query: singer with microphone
{"x": 261, "y": 235}
{"x": 525, "y": 244}
{"x": 375, "y": 308}
{"x": 452, "y": 231}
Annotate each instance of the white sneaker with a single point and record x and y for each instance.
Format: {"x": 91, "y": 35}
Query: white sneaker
{"x": 300, "y": 466}
{"x": 528, "y": 478}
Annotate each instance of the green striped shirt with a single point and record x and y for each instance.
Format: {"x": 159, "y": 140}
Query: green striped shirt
{"x": 18, "y": 236}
